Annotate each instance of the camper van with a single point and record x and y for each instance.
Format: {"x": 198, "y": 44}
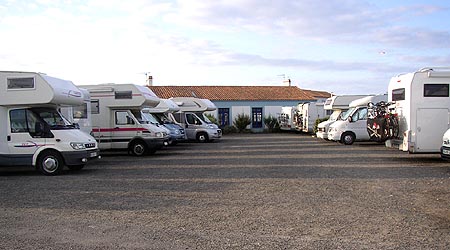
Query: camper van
{"x": 309, "y": 113}
{"x": 421, "y": 101}
{"x": 117, "y": 120}
{"x": 80, "y": 114}
{"x": 191, "y": 116}
{"x": 353, "y": 123}
{"x": 158, "y": 116}
{"x": 337, "y": 105}
{"x": 33, "y": 132}
{"x": 288, "y": 118}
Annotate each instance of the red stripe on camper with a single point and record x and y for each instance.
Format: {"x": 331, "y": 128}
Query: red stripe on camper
{"x": 117, "y": 129}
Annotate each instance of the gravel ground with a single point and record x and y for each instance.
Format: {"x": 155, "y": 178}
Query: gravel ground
{"x": 252, "y": 191}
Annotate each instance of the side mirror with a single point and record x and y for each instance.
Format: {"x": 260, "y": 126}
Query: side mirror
{"x": 186, "y": 125}
{"x": 350, "y": 119}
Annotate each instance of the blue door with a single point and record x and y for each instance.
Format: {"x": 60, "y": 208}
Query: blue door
{"x": 257, "y": 118}
{"x": 224, "y": 117}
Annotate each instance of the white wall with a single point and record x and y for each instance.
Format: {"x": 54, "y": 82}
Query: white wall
{"x": 236, "y": 110}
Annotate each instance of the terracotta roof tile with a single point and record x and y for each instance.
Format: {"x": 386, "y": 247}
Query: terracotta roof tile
{"x": 236, "y": 93}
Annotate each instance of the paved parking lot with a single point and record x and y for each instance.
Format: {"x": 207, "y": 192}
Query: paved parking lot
{"x": 264, "y": 191}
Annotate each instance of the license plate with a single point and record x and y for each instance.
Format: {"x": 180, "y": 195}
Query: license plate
{"x": 94, "y": 154}
{"x": 446, "y": 152}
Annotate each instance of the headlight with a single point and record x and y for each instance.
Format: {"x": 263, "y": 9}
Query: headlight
{"x": 159, "y": 134}
{"x": 210, "y": 126}
{"x": 77, "y": 145}
{"x": 176, "y": 131}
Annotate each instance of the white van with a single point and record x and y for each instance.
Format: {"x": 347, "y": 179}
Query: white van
{"x": 309, "y": 113}
{"x": 445, "y": 148}
{"x": 117, "y": 120}
{"x": 353, "y": 123}
{"x": 191, "y": 116}
{"x": 337, "y": 105}
{"x": 33, "y": 132}
{"x": 422, "y": 103}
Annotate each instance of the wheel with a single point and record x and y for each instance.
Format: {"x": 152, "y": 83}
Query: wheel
{"x": 50, "y": 163}
{"x": 348, "y": 138}
{"x": 139, "y": 148}
{"x": 202, "y": 137}
{"x": 76, "y": 167}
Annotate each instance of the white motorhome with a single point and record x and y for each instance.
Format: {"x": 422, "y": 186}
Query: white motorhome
{"x": 191, "y": 116}
{"x": 158, "y": 115}
{"x": 288, "y": 118}
{"x": 337, "y": 105}
{"x": 32, "y": 130}
{"x": 353, "y": 123}
{"x": 309, "y": 113}
{"x": 80, "y": 114}
{"x": 422, "y": 103}
{"x": 117, "y": 120}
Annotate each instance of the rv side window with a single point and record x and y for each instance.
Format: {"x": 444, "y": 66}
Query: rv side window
{"x": 123, "y": 94}
{"x": 95, "y": 108}
{"x": 80, "y": 112}
{"x": 398, "y": 94}
{"x": 22, "y": 121}
{"x": 436, "y": 90}
{"x": 122, "y": 118}
{"x": 21, "y": 83}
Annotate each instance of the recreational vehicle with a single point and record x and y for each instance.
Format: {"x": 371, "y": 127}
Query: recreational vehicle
{"x": 337, "y": 105}
{"x": 353, "y": 123}
{"x": 421, "y": 101}
{"x": 309, "y": 113}
{"x": 288, "y": 118}
{"x": 191, "y": 116}
{"x": 158, "y": 115}
{"x": 445, "y": 148}
{"x": 117, "y": 120}
{"x": 33, "y": 132}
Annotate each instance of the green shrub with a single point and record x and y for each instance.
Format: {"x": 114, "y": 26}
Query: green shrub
{"x": 319, "y": 120}
{"x": 241, "y": 122}
{"x": 271, "y": 123}
{"x": 229, "y": 130}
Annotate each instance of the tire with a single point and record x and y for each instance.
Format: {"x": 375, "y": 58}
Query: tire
{"x": 348, "y": 138}
{"x": 50, "y": 163}
{"x": 139, "y": 148}
{"x": 202, "y": 137}
{"x": 76, "y": 167}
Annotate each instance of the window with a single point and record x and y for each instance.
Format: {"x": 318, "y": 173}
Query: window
{"x": 123, "y": 94}
{"x": 436, "y": 90}
{"x": 192, "y": 119}
{"x": 80, "y": 112}
{"x": 224, "y": 117}
{"x": 95, "y": 108}
{"x": 398, "y": 94}
{"x": 18, "y": 121}
{"x": 361, "y": 114}
{"x": 177, "y": 117}
{"x": 21, "y": 83}
{"x": 123, "y": 118}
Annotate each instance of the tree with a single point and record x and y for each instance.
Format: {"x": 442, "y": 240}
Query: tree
{"x": 241, "y": 122}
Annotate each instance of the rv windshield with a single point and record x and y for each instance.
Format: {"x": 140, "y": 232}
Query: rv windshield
{"x": 347, "y": 114}
{"x": 150, "y": 118}
{"x": 54, "y": 119}
{"x": 162, "y": 118}
{"x": 335, "y": 115}
{"x": 203, "y": 117}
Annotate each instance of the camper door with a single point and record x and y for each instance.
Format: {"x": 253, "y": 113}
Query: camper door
{"x": 358, "y": 124}
{"x": 125, "y": 128}
{"x": 27, "y": 134}
{"x": 193, "y": 122}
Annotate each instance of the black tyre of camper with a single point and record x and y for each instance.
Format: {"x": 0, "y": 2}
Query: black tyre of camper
{"x": 50, "y": 162}
{"x": 202, "y": 137}
{"x": 139, "y": 148}
{"x": 348, "y": 138}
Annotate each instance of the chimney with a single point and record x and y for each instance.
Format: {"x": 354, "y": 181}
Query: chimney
{"x": 287, "y": 82}
{"x": 150, "y": 80}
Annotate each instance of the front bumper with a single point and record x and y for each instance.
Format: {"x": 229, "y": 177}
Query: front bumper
{"x": 214, "y": 133}
{"x": 445, "y": 152}
{"x": 156, "y": 143}
{"x": 81, "y": 157}
{"x": 334, "y": 136}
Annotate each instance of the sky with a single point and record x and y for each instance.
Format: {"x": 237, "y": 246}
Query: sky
{"x": 339, "y": 46}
